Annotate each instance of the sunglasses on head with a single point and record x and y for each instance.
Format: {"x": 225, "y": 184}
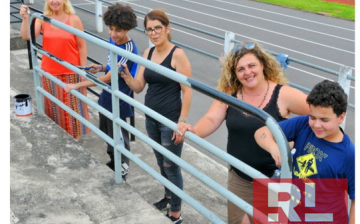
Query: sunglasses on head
{"x": 248, "y": 46}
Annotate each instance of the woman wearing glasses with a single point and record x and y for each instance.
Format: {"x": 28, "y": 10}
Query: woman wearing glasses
{"x": 164, "y": 96}
{"x": 255, "y": 77}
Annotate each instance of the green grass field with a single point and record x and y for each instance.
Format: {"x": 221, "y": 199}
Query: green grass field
{"x": 317, "y": 6}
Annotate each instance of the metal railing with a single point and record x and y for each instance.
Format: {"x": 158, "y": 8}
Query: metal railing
{"x": 12, "y": 13}
{"x": 132, "y": 119}
{"x": 344, "y": 74}
{"x": 117, "y": 141}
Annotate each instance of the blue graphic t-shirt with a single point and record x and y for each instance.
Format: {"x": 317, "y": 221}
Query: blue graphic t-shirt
{"x": 318, "y": 158}
{"x": 105, "y": 97}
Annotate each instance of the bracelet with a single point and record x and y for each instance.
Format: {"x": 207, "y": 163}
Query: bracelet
{"x": 102, "y": 68}
{"x": 182, "y": 119}
{"x": 129, "y": 83}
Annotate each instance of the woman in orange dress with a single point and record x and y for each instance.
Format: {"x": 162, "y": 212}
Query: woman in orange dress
{"x": 67, "y": 47}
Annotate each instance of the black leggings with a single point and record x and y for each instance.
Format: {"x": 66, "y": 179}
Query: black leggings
{"x": 106, "y": 126}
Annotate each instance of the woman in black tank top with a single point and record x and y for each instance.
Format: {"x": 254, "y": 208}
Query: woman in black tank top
{"x": 164, "y": 96}
{"x": 255, "y": 77}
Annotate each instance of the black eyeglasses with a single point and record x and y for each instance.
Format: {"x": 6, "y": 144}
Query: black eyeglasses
{"x": 156, "y": 29}
{"x": 248, "y": 46}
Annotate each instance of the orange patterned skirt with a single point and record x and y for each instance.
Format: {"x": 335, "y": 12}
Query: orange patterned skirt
{"x": 71, "y": 125}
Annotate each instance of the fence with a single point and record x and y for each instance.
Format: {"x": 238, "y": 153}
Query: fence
{"x": 13, "y": 13}
{"x": 344, "y": 74}
{"x": 117, "y": 141}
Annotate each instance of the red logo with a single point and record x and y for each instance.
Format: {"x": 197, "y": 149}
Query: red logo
{"x": 310, "y": 201}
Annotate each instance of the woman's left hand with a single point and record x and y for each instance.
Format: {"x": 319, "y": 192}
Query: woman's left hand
{"x": 70, "y": 87}
{"x": 179, "y": 136}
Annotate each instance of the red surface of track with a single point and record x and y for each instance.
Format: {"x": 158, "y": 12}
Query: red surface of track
{"x": 346, "y": 2}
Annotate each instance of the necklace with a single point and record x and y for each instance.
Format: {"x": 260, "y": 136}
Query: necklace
{"x": 267, "y": 91}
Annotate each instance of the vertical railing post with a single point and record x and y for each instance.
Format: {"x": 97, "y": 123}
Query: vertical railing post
{"x": 118, "y": 138}
{"x": 344, "y": 82}
{"x": 98, "y": 16}
{"x": 132, "y": 120}
{"x": 29, "y": 54}
{"x": 39, "y": 101}
{"x": 228, "y": 44}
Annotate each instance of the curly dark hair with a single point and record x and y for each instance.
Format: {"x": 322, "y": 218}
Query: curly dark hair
{"x": 328, "y": 94}
{"x": 121, "y": 16}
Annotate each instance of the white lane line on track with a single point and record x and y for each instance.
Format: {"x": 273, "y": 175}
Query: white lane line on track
{"x": 79, "y": 4}
{"x": 270, "y": 31}
{"x": 198, "y": 37}
{"x": 318, "y": 76}
{"x": 280, "y": 14}
{"x": 260, "y": 41}
{"x": 269, "y": 20}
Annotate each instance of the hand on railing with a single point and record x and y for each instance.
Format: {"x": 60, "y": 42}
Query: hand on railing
{"x": 95, "y": 68}
{"x": 178, "y": 135}
{"x": 70, "y": 87}
{"x": 24, "y": 12}
{"x": 182, "y": 128}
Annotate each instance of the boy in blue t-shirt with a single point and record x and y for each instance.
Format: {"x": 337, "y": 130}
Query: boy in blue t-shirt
{"x": 120, "y": 19}
{"x": 323, "y": 150}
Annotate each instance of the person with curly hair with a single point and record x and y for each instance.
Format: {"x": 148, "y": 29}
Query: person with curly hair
{"x": 73, "y": 50}
{"x": 253, "y": 76}
{"x": 318, "y": 138}
{"x": 120, "y": 19}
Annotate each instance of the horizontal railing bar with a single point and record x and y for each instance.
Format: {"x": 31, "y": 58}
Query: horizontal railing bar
{"x": 194, "y": 49}
{"x": 189, "y": 168}
{"x": 14, "y": 7}
{"x": 198, "y": 30}
{"x": 75, "y": 115}
{"x": 223, "y": 191}
{"x": 304, "y": 63}
{"x": 174, "y": 76}
{"x": 309, "y": 90}
{"x": 191, "y": 201}
{"x": 211, "y": 183}
{"x": 87, "y": 10}
{"x": 239, "y": 105}
{"x": 211, "y": 148}
{"x": 215, "y": 150}
{"x": 20, "y": 19}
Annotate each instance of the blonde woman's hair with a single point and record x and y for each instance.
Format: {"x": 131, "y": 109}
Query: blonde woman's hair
{"x": 68, "y": 8}
{"x": 272, "y": 69}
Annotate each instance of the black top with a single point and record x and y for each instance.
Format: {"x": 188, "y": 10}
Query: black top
{"x": 163, "y": 94}
{"x": 241, "y": 142}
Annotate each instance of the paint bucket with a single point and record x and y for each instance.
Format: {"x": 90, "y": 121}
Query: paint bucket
{"x": 23, "y": 105}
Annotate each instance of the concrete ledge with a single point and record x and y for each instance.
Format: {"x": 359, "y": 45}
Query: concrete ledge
{"x": 16, "y": 42}
{"x": 142, "y": 184}
{"x": 56, "y": 180}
